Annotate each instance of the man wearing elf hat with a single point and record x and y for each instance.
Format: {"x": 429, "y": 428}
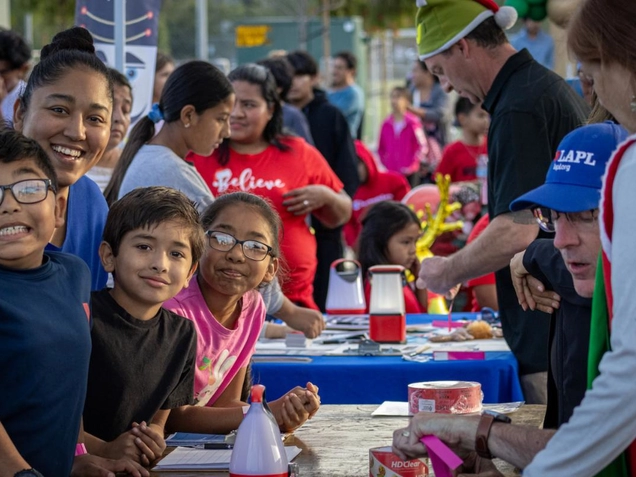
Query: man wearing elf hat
{"x": 532, "y": 109}
{"x": 568, "y": 202}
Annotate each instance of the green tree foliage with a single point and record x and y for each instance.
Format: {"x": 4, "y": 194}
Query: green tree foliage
{"x": 49, "y": 17}
{"x": 380, "y": 14}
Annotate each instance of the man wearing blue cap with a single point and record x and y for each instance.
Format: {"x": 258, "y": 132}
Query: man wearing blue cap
{"x": 463, "y": 43}
{"x": 567, "y": 203}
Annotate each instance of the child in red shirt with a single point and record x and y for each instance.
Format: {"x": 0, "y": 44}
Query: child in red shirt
{"x": 460, "y": 158}
{"x": 375, "y": 186}
{"x": 483, "y": 289}
{"x": 389, "y": 232}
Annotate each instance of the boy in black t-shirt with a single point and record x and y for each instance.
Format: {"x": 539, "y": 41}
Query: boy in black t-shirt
{"x": 44, "y": 325}
{"x": 143, "y": 358}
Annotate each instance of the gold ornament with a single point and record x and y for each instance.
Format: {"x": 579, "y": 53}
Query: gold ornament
{"x": 434, "y": 226}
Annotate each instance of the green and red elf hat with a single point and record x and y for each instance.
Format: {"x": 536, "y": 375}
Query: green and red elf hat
{"x": 442, "y": 23}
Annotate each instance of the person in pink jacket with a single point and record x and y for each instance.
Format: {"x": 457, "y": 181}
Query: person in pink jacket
{"x": 402, "y": 146}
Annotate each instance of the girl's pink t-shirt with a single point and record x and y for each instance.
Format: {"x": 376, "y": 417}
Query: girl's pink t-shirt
{"x": 221, "y": 353}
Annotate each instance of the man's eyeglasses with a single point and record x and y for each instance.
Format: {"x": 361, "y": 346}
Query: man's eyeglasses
{"x": 30, "y": 191}
{"x": 547, "y": 218}
{"x": 252, "y": 249}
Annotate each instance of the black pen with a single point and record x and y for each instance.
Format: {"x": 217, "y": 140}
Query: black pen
{"x": 218, "y": 445}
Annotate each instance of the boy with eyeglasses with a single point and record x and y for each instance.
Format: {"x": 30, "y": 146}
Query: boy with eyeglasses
{"x": 143, "y": 359}
{"x": 568, "y": 204}
{"x": 44, "y": 325}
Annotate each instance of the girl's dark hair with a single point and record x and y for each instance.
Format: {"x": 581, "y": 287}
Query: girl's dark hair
{"x": 403, "y": 92}
{"x": 195, "y": 83}
{"x": 69, "y": 49}
{"x": 382, "y": 222}
{"x": 162, "y": 60}
{"x": 259, "y": 204}
{"x": 260, "y": 76}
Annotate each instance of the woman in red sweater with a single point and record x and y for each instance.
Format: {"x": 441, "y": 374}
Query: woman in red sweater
{"x": 293, "y": 175}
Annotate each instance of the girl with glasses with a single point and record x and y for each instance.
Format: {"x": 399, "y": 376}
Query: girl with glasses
{"x": 242, "y": 254}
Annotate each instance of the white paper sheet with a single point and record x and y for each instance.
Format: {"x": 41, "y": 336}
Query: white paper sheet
{"x": 401, "y": 409}
{"x": 183, "y": 458}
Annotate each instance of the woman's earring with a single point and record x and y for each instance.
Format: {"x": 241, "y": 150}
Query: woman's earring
{"x": 633, "y": 104}
{"x": 187, "y": 125}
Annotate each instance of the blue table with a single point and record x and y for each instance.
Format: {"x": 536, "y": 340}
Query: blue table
{"x": 374, "y": 379}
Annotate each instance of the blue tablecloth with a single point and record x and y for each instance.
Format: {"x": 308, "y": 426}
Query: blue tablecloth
{"x": 374, "y": 379}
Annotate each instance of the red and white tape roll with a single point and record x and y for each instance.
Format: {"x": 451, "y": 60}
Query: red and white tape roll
{"x": 445, "y": 397}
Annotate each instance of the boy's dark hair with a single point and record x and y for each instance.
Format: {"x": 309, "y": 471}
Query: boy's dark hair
{"x": 119, "y": 79}
{"x": 349, "y": 58}
{"x": 14, "y": 49}
{"x": 70, "y": 49}
{"x": 196, "y": 83}
{"x": 382, "y": 221}
{"x": 260, "y": 205}
{"x": 15, "y": 147}
{"x": 464, "y": 106}
{"x": 150, "y": 206}
{"x": 282, "y": 70}
{"x": 303, "y": 63}
{"x": 262, "y": 77}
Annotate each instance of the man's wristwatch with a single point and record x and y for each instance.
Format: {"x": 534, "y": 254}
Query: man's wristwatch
{"x": 483, "y": 431}
{"x": 28, "y": 473}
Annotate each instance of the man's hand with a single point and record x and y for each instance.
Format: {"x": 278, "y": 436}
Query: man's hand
{"x": 531, "y": 293}
{"x": 89, "y": 465}
{"x": 149, "y": 442}
{"x": 456, "y": 431}
{"x": 434, "y": 277}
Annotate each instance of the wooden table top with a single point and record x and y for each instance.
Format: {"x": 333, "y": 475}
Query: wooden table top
{"x": 337, "y": 440}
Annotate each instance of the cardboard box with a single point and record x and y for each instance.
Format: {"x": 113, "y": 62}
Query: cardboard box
{"x": 384, "y": 463}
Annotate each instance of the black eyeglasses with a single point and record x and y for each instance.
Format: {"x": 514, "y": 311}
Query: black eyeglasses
{"x": 252, "y": 249}
{"x": 547, "y": 218}
{"x": 30, "y": 191}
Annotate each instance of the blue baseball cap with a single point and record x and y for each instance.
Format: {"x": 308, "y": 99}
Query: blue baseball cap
{"x": 575, "y": 178}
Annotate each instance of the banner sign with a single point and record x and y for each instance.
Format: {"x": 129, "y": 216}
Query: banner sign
{"x": 142, "y": 24}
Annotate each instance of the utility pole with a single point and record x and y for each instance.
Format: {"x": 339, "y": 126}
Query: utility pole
{"x": 5, "y": 13}
{"x": 326, "y": 38}
{"x": 120, "y": 35}
{"x": 202, "y": 29}
{"x": 302, "y": 25}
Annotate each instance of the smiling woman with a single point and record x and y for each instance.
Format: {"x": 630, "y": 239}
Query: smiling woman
{"x": 66, "y": 107}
